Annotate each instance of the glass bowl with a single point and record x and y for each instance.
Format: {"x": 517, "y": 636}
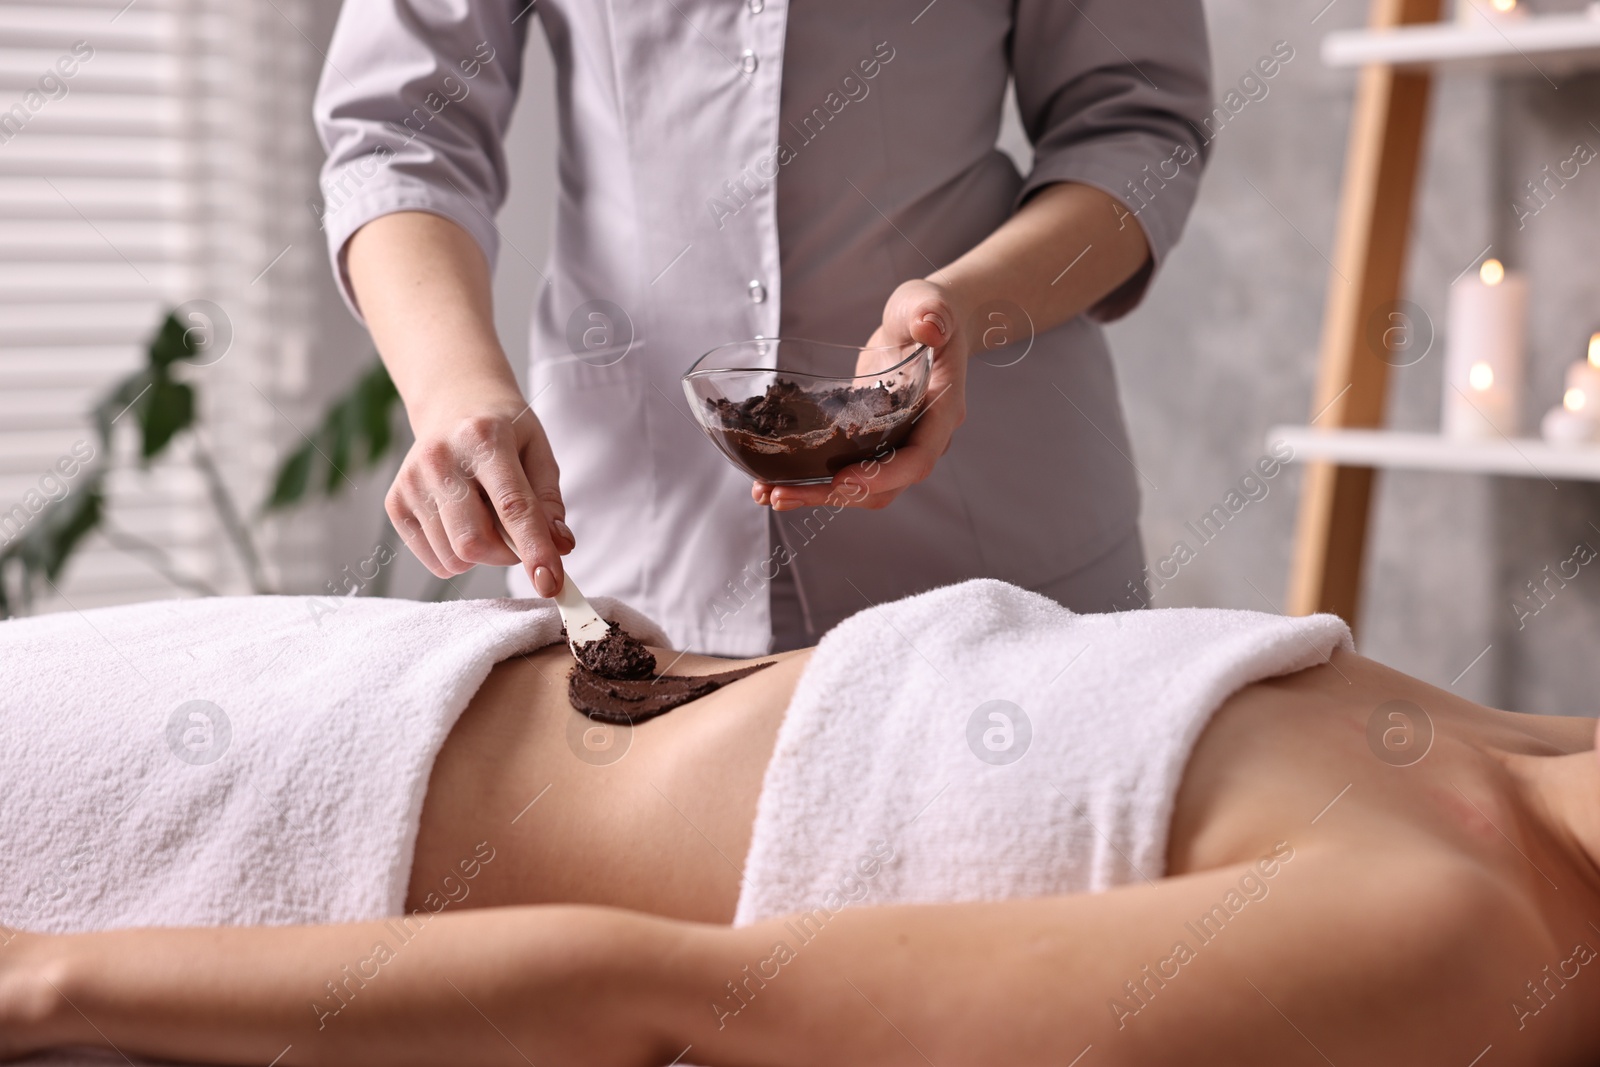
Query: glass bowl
{"x": 793, "y": 412}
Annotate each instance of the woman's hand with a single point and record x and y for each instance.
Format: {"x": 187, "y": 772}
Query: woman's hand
{"x": 919, "y": 311}
{"x": 1066, "y": 249}
{"x": 482, "y": 464}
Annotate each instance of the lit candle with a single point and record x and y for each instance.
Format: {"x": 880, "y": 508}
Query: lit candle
{"x": 1475, "y": 13}
{"x": 1584, "y": 378}
{"x": 1576, "y": 418}
{"x": 1483, "y": 368}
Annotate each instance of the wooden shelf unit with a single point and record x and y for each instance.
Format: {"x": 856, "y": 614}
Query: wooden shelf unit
{"x": 1403, "y": 45}
{"x": 1521, "y": 457}
{"x": 1541, "y": 43}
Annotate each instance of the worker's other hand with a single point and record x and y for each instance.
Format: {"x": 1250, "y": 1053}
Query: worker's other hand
{"x": 923, "y": 312}
{"x": 482, "y": 464}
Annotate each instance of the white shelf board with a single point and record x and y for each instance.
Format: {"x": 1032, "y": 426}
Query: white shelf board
{"x": 1520, "y": 457}
{"x": 1534, "y": 44}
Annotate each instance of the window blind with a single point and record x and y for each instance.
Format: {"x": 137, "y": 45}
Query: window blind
{"x": 152, "y": 153}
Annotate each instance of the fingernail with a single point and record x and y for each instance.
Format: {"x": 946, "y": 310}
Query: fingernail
{"x": 544, "y": 582}
{"x": 935, "y": 320}
{"x": 562, "y": 530}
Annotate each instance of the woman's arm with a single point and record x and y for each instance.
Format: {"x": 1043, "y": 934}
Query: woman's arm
{"x": 489, "y": 987}
{"x": 1278, "y": 959}
{"x": 1066, "y": 249}
{"x": 413, "y": 106}
{"x": 480, "y": 456}
{"x": 1342, "y": 956}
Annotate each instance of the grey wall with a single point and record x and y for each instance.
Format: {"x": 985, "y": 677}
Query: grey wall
{"x": 526, "y": 219}
{"x": 1225, "y": 347}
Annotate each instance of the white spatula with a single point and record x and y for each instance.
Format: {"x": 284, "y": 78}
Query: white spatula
{"x": 584, "y": 624}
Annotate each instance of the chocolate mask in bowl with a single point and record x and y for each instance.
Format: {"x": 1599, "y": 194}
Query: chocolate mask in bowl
{"x": 789, "y": 426}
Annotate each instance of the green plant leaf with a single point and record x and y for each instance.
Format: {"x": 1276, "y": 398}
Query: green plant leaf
{"x": 119, "y": 400}
{"x": 339, "y": 434}
{"x": 66, "y": 524}
{"x": 294, "y": 475}
{"x": 379, "y": 397}
{"x": 170, "y": 344}
{"x": 357, "y": 428}
{"x": 162, "y": 407}
{"x": 164, "y": 411}
{"x": 47, "y": 544}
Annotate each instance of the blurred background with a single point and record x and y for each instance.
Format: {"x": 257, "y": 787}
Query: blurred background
{"x": 175, "y": 168}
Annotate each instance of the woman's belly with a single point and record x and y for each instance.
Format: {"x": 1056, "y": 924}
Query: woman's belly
{"x": 655, "y": 818}
{"x": 658, "y": 818}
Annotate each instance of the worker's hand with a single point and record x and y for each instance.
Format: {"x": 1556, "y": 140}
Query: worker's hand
{"x": 481, "y": 464}
{"x": 918, "y": 311}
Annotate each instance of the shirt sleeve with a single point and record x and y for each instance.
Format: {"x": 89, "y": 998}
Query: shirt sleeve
{"x": 1112, "y": 93}
{"x": 412, "y": 109}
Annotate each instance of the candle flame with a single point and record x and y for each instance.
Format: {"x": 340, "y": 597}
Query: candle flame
{"x": 1492, "y": 272}
{"x": 1481, "y": 376}
{"x": 1573, "y": 399}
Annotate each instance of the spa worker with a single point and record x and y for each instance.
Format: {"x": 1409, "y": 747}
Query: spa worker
{"x": 731, "y": 169}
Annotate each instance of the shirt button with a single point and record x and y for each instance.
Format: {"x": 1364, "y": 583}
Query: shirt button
{"x": 758, "y": 293}
{"x": 757, "y": 6}
{"x": 748, "y": 61}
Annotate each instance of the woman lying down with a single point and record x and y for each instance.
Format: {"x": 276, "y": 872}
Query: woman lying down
{"x": 967, "y": 828}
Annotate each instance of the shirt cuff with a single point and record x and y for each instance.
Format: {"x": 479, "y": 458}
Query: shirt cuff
{"x": 371, "y": 197}
{"x": 1110, "y": 165}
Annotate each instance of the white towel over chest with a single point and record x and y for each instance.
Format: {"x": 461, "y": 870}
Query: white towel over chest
{"x": 981, "y": 742}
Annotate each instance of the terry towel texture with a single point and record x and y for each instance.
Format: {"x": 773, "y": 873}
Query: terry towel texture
{"x": 126, "y": 804}
{"x": 997, "y": 746}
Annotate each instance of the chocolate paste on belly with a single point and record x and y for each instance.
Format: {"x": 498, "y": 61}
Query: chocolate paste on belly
{"x": 630, "y": 701}
{"x": 615, "y": 681}
{"x": 616, "y": 655}
{"x": 790, "y": 434}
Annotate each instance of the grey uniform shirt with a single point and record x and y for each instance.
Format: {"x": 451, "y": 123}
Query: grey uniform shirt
{"x": 735, "y": 168}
